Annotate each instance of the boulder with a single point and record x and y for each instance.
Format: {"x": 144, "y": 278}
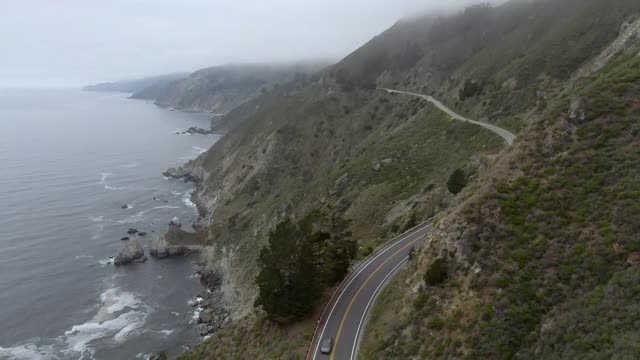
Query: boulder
{"x": 132, "y": 231}
{"x": 132, "y": 252}
{"x": 125, "y": 238}
{"x": 205, "y": 317}
{"x": 577, "y": 111}
{"x": 142, "y": 233}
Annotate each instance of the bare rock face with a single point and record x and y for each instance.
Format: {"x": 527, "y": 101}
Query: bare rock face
{"x": 577, "y": 111}
{"x": 132, "y": 253}
{"x": 628, "y": 41}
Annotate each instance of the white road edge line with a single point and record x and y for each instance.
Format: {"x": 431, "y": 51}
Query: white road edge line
{"x": 315, "y": 353}
{"x": 366, "y": 309}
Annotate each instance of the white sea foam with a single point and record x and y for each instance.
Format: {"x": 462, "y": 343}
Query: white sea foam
{"x": 166, "y": 332}
{"x": 114, "y": 300}
{"x": 134, "y": 218}
{"x": 107, "y": 261}
{"x": 120, "y": 315}
{"x": 128, "y": 166}
{"x": 96, "y": 218}
{"x": 26, "y": 352}
{"x": 132, "y": 328}
{"x": 199, "y": 149}
{"x": 176, "y": 193}
{"x": 138, "y": 217}
{"x": 103, "y": 181}
{"x": 193, "y": 276}
{"x": 196, "y": 315}
{"x": 98, "y": 234}
{"x": 186, "y": 199}
{"x": 105, "y": 175}
{"x": 80, "y": 257}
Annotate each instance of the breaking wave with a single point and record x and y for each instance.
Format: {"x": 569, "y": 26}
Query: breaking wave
{"x": 103, "y": 182}
{"x": 121, "y": 314}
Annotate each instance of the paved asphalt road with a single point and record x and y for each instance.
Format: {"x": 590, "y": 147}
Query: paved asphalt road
{"x": 346, "y": 313}
{"x": 505, "y": 134}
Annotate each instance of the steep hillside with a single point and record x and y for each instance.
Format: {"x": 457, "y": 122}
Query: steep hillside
{"x": 135, "y": 85}
{"x": 222, "y": 88}
{"x": 542, "y": 251}
{"x": 544, "y": 224}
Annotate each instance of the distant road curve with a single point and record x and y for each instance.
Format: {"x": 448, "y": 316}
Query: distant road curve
{"x": 508, "y": 136}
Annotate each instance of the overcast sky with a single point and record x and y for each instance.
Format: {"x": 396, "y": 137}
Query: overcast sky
{"x": 84, "y": 41}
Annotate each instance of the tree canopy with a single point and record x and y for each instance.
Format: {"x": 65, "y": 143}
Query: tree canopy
{"x": 300, "y": 261}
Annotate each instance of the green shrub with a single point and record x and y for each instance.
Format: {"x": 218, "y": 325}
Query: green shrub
{"x": 470, "y": 89}
{"x": 436, "y": 323}
{"x": 457, "y": 181}
{"x": 437, "y": 273}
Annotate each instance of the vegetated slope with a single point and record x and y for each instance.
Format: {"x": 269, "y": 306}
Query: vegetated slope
{"x": 135, "y": 85}
{"x": 336, "y": 144}
{"x": 541, "y": 255}
{"x": 219, "y": 89}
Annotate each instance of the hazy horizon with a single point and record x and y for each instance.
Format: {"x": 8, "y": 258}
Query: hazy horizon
{"x": 77, "y": 43}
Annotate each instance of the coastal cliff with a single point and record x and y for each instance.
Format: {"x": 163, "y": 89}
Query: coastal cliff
{"x": 385, "y": 162}
{"x": 220, "y": 89}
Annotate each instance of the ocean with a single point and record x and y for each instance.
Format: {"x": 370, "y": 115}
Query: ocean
{"x": 78, "y": 169}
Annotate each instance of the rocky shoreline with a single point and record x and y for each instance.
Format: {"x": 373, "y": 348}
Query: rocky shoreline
{"x": 211, "y": 316}
{"x": 188, "y": 177}
{"x": 212, "y": 313}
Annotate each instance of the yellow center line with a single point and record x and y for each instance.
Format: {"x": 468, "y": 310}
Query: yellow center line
{"x": 353, "y": 300}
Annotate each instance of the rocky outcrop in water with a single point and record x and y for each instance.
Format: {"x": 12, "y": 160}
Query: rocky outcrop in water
{"x": 175, "y": 242}
{"x": 196, "y": 130}
{"x": 132, "y": 253}
{"x": 181, "y": 174}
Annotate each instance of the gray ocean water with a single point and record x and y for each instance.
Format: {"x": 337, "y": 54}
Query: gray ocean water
{"x": 69, "y": 161}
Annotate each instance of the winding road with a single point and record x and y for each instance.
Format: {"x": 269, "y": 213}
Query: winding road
{"x": 345, "y": 315}
{"x": 508, "y": 136}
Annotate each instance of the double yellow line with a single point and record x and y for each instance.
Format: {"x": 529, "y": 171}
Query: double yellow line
{"x": 353, "y": 300}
